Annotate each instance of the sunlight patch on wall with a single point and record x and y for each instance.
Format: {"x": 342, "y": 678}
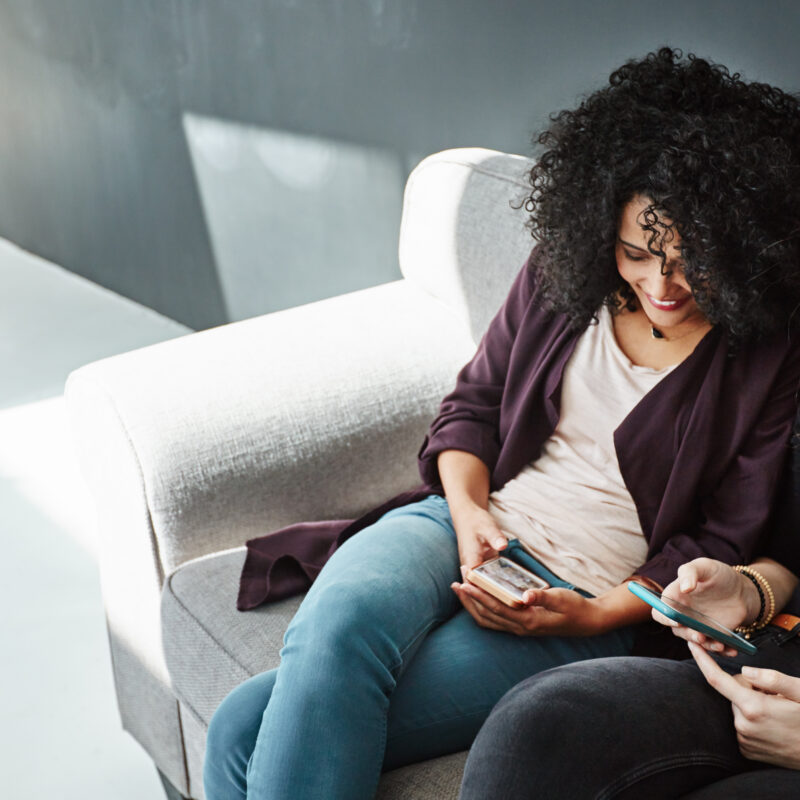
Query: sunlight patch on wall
{"x": 294, "y": 218}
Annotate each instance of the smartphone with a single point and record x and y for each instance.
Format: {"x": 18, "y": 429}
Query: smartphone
{"x": 505, "y": 579}
{"x": 692, "y": 619}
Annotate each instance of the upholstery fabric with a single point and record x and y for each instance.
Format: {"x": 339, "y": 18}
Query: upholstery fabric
{"x": 232, "y": 427}
{"x": 467, "y": 252}
{"x": 211, "y": 647}
{"x": 192, "y": 446}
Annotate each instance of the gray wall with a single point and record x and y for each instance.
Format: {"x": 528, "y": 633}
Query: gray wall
{"x": 215, "y": 160}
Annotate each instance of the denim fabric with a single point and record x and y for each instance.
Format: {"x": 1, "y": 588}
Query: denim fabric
{"x": 381, "y": 667}
{"x": 625, "y": 728}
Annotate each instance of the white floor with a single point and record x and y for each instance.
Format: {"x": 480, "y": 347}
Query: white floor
{"x": 60, "y": 735}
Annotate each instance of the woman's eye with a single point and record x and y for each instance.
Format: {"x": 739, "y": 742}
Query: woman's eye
{"x": 632, "y": 257}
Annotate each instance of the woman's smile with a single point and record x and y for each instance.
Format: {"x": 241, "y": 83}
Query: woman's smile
{"x": 668, "y": 305}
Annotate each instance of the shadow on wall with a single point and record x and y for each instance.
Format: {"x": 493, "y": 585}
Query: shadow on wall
{"x": 277, "y": 205}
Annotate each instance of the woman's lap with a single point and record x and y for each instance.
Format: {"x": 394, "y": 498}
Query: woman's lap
{"x": 442, "y": 671}
{"x": 459, "y": 673}
{"x": 444, "y": 695}
{"x": 613, "y": 728}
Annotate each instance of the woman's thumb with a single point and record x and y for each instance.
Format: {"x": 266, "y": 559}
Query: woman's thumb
{"x": 688, "y": 577}
{"x": 499, "y": 541}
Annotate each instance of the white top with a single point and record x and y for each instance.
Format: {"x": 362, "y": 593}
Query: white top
{"x": 570, "y": 508}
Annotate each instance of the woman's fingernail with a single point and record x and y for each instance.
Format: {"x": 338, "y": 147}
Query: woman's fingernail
{"x": 685, "y": 586}
{"x": 463, "y": 570}
{"x": 749, "y": 672}
{"x": 499, "y": 544}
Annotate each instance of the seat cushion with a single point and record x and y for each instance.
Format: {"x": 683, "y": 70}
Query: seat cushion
{"x": 210, "y": 648}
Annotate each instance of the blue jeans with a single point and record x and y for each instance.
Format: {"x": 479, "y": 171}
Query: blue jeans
{"x": 381, "y": 666}
{"x": 626, "y": 728}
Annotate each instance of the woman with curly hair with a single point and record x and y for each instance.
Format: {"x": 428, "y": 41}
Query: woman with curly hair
{"x": 628, "y": 410}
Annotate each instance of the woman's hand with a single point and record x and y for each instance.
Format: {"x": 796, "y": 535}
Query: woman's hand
{"x": 766, "y": 710}
{"x": 547, "y": 612}
{"x": 479, "y": 536}
{"x": 715, "y": 589}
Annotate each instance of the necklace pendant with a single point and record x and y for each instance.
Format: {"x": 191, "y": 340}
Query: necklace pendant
{"x": 656, "y": 333}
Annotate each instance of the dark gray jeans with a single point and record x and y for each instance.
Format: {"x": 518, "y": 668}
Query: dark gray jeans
{"x": 625, "y": 728}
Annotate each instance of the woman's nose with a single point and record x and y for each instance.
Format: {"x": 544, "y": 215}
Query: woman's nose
{"x": 659, "y": 285}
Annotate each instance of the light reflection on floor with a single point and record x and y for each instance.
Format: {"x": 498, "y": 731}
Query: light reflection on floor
{"x": 61, "y": 737}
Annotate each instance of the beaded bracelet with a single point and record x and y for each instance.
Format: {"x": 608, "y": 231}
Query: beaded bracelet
{"x": 767, "y": 610}
{"x": 762, "y": 598}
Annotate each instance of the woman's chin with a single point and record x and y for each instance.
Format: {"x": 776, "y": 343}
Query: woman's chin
{"x": 666, "y": 322}
{"x": 674, "y": 325}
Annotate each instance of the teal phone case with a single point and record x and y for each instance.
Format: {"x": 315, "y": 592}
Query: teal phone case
{"x": 720, "y": 633}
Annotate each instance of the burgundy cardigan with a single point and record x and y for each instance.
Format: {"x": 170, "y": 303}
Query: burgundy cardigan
{"x": 701, "y": 453}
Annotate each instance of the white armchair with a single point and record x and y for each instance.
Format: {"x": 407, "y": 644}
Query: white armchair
{"x": 194, "y": 445}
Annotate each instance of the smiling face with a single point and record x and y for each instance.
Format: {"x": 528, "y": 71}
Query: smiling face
{"x": 665, "y": 299}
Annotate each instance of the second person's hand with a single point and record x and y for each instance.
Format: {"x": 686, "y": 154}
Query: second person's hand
{"x": 714, "y": 589}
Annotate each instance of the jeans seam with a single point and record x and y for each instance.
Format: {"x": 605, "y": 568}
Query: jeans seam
{"x": 420, "y": 634}
{"x": 379, "y": 770}
{"x": 401, "y": 653}
{"x": 662, "y": 765}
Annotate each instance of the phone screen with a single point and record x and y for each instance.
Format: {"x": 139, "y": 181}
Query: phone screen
{"x": 509, "y": 575}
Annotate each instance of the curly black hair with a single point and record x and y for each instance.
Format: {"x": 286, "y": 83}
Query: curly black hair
{"x": 719, "y": 159}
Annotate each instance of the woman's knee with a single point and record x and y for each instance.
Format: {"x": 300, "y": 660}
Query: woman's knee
{"x": 345, "y": 625}
{"x": 378, "y": 605}
{"x": 578, "y": 729}
{"x": 572, "y": 702}
{"x": 524, "y": 746}
{"x": 539, "y": 710}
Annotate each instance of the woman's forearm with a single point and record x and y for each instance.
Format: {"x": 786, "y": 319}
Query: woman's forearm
{"x": 465, "y": 479}
{"x": 618, "y": 607}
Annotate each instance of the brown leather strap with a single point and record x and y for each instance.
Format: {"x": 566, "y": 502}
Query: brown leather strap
{"x": 785, "y": 621}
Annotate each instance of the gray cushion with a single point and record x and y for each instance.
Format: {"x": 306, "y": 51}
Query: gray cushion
{"x": 211, "y": 647}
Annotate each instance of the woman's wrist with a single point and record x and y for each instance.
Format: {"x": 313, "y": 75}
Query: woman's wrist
{"x": 465, "y": 479}
{"x": 616, "y": 608}
{"x": 463, "y": 505}
{"x": 766, "y": 598}
{"x": 601, "y": 617}
{"x": 750, "y": 598}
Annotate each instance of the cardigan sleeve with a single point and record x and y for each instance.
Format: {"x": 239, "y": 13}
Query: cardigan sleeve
{"x": 469, "y": 416}
{"x": 736, "y": 516}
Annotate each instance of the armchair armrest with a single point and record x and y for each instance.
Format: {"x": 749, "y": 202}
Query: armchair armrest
{"x": 314, "y": 412}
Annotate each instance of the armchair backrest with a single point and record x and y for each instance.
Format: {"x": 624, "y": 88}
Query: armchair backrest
{"x": 460, "y": 238}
